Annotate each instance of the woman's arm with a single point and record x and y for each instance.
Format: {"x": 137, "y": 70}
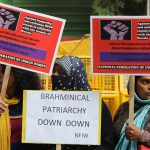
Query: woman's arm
{"x": 134, "y": 133}
{"x": 145, "y": 138}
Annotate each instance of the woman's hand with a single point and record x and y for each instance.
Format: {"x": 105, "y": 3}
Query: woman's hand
{"x": 132, "y": 132}
{"x": 3, "y": 107}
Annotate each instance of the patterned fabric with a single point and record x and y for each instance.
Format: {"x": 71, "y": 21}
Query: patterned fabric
{"x": 75, "y": 77}
{"x": 65, "y": 63}
{"x": 122, "y": 115}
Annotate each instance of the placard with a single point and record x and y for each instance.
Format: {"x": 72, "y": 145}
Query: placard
{"x": 28, "y": 39}
{"x": 62, "y": 117}
{"x": 120, "y": 44}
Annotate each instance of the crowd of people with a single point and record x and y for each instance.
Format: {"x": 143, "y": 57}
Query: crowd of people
{"x": 69, "y": 74}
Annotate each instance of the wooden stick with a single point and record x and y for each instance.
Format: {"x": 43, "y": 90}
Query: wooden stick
{"x": 5, "y": 128}
{"x": 58, "y": 146}
{"x": 5, "y": 82}
{"x": 131, "y": 99}
{"x": 148, "y": 7}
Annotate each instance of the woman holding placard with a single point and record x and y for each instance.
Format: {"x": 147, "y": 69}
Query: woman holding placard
{"x": 69, "y": 74}
{"x": 131, "y": 136}
{"x": 19, "y": 80}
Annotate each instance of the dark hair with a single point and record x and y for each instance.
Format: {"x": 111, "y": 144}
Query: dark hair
{"x": 24, "y": 80}
{"x": 128, "y": 84}
{"x": 136, "y": 78}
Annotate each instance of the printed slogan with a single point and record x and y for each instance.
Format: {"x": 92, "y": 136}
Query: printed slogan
{"x": 29, "y": 40}
{"x": 120, "y": 45}
{"x": 62, "y": 117}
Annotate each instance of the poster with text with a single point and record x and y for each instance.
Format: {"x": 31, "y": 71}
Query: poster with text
{"x": 62, "y": 117}
{"x": 28, "y": 39}
{"x": 120, "y": 44}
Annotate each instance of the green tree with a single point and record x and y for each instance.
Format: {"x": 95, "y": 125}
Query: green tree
{"x": 120, "y": 7}
{"x": 6, "y": 1}
{"x": 134, "y": 7}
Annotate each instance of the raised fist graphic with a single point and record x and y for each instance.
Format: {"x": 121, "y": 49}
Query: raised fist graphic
{"x": 6, "y": 18}
{"x": 116, "y": 29}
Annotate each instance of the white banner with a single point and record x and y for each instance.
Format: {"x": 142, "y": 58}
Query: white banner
{"x": 62, "y": 117}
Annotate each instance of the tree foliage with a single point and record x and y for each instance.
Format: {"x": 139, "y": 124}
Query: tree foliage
{"x": 120, "y": 7}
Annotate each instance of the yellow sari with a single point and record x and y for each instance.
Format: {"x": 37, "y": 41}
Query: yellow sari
{"x": 5, "y": 131}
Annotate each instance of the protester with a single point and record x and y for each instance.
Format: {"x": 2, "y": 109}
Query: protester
{"x": 19, "y": 80}
{"x": 69, "y": 74}
{"x": 129, "y": 137}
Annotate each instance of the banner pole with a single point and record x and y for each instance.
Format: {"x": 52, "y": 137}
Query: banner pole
{"x": 131, "y": 98}
{"x": 58, "y": 146}
{"x": 4, "y": 118}
{"x": 148, "y": 8}
{"x": 5, "y": 82}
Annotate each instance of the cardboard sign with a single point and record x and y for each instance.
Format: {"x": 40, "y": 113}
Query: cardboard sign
{"x": 120, "y": 45}
{"x": 61, "y": 117}
{"x": 29, "y": 40}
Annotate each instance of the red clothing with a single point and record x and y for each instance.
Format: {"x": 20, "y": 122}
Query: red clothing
{"x": 16, "y": 129}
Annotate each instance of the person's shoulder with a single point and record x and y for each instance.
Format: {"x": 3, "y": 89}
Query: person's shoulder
{"x": 124, "y": 104}
{"x": 105, "y": 110}
{"x": 104, "y": 106}
{"x": 123, "y": 107}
